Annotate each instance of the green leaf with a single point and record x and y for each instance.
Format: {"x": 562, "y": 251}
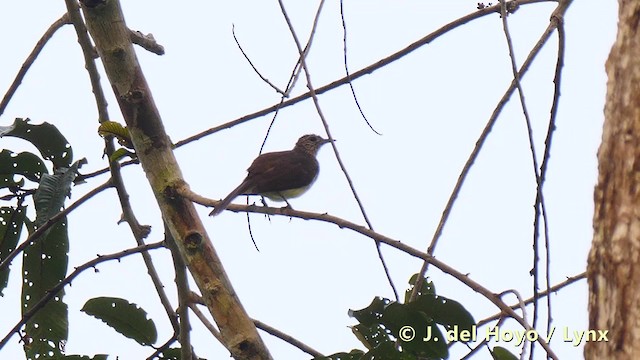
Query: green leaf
{"x": 113, "y": 128}
{"x": 120, "y": 153}
{"x": 426, "y": 287}
{"x": 53, "y": 190}
{"x": 371, "y": 336}
{"x": 44, "y": 265}
{"x": 383, "y": 319}
{"x": 84, "y": 357}
{"x": 26, "y": 164}
{"x": 11, "y": 221}
{"x": 371, "y": 314}
{"x": 417, "y": 333}
{"x": 124, "y": 317}
{"x": 46, "y": 137}
{"x": 354, "y": 354}
{"x": 500, "y": 353}
{"x": 392, "y": 330}
{"x": 170, "y": 354}
{"x": 444, "y": 311}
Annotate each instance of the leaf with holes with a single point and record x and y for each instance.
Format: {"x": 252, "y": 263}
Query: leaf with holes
{"x": 46, "y": 137}
{"x": 11, "y": 221}
{"x": 124, "y": 317}
{"x": 24, "y": 164}
{"x": 44, "y": 265}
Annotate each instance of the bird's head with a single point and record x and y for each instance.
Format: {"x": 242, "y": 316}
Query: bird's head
{"x": 311, "y": 143}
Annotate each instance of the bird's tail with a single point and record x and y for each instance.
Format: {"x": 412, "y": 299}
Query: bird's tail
{"x": 242, "y": 188}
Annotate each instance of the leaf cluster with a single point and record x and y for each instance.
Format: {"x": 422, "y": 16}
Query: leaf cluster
{"x": 410, "y": 330}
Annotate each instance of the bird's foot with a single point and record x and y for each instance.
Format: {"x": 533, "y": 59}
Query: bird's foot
{"x": 264, "y": 203}
{"x": 285, "y": 200}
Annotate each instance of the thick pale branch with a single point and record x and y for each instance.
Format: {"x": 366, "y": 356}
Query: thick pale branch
{"x": 111, "y": 36}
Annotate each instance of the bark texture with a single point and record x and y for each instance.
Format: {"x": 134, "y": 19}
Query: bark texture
{"x": 613, "y": 264}
{"x": 107, "y": 27}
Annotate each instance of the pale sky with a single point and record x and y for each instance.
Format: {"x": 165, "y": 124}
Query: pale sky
{"x": 430, "y": 108}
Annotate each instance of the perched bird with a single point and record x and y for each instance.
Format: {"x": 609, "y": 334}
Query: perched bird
{"x": 280, "y": 175}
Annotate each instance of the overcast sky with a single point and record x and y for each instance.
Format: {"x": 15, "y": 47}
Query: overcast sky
{"x": 430, "y": 108}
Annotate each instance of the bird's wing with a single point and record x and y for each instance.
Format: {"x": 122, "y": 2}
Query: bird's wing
{"x": 283, "y": 170}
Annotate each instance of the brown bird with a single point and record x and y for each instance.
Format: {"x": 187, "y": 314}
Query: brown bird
{"x": 280, "y": 175}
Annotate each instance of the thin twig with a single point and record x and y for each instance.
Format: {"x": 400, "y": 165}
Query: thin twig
{"x": 482, "y": 343}
{"x": 337, "y": 83}
{"x": 362, "y": 72}
{"x": 203, "y": 319}
{"x": 295, "y": 74}
{"x": 164, "y": 347}
{"x": 570, "y": 280}
{"x": 522, "y": 308}
{"x": 260, "y": 325}
{"x": 182, "y": 285}
{"x": 139, "y": 231}
{"x": 53, "y": 292}
{"x": 83, "y": 177}
{"x": 557, "y": 80}
{"x": 363, "y": 230}
{"x": 36, "y": 235}
{"x": 539, "y": 203}
{"x": 63, "y": 20}
{"x": 346, "y": 69}
{"x": 90, "y": 54}
{"x": 478, "y": 146}
{"x": 274, "y": 87}
{"x": 316, "y": 103}
{"x": 287, "y": 338}
{"x": 293, "y": 79}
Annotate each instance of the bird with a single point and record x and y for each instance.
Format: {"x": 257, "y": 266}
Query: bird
{"x": 280, "y": 175}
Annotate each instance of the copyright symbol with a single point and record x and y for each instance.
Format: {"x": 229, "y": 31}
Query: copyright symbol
{"x": 406, "y": 333}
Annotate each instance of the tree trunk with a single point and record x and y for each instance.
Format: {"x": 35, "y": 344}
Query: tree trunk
{"x": 614, "y": 260}
{"x": 107, "y": 27}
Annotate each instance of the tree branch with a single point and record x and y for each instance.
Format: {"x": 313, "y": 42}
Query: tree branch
{"x": 78, "y": 270}
{"x": 108, "y": 29}
{"x": 63, "y": 20}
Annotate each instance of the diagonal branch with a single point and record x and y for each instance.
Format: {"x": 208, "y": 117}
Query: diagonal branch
{"x": 478, "y": 146}
{"x": 89, "y": 53}
{"x": 63, "y": 20}
{"x": 339, "y": 82}
{"x": 36, "y": 235}
{"x": 344, "y": 224}
{"x": 108, "y": 29}
{"x": 316, "y": 103}
{"x": 139, "y": 231}
{"x": 360, "y": 73}
{"x": 78, "y": 270}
